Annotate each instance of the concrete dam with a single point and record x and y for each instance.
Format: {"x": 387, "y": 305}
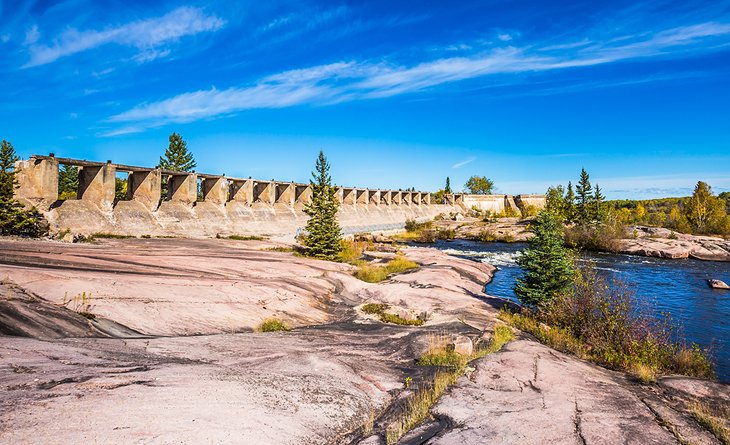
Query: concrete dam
{"x": 208, "y": 205}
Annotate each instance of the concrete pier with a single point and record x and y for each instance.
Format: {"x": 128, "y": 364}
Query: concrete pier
{"x": 97, "y": 185}
{"x": 183, "y": 188}
{"x": 145, "y": 187}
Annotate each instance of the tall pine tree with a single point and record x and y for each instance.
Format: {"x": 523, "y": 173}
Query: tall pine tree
{"x": 548, "y": 264}
{"x": 570, "y": 203}
{"x": 323, "y": 237}
{"x": 14, "y": 218}
{"x": 447, "y": 189}
{"x": 177, "y": 158}
{"x": 583, "y": 199}
{"x": 597, "y": 206}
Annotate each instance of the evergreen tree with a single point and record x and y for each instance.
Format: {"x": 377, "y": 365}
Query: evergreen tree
{"x": 14, "y": 218}
{"x": 548, "y": 264}
{"x": 7, "y": 170}
{"x": 570, "y": 203}
{"x": 323, "y": 237}
{"x": 598, "y": 210}
{"x": 447, "y": 189}
{"x": 583, "y": 199}
{"x": 555, "y": 201}
{"x": 177, "y": 157}
{"x": 68, "y": 182}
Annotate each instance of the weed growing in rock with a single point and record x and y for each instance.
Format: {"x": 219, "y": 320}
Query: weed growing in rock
{"x": 714, "y": 418}
{"x": 418, "y": 406}
{"x": 80, "y": 303}
{"x": 373, "y": 273}
{"x": 387, "y": 317}
{"x": 374, "y": 308}
{"x": 273, "y": 325}
{"x": 244, "y": 237}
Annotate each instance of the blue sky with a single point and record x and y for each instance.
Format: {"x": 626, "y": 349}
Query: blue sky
{"x": 397, "y": 94}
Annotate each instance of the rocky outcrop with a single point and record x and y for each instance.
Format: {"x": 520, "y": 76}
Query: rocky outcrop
{"x": 336, "y": 378}
{"x": 663, "y": 243}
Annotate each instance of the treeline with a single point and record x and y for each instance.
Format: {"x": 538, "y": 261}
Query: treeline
{"x": 584, "y": 205}
{"x": 587, "y": 212}
{"x": 702, "y": 213}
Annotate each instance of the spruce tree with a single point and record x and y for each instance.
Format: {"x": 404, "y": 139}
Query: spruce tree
{"x": 7, "y": 169}
{"x": 447, "y": 189}
{"x": 177, "y": 157}
{"x": 68, "y": 182}
{"x": 14, "y": 218}
{"x": 547, "y": 263}
{"x": 583, "y": 199}
{"x": 570, "y": 203}
{"x": 598, "y": 212}
{"x": 323, "y": 237}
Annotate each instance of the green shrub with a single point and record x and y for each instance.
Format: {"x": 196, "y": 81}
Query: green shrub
{"x": 244, "y": 237}
{"x": 374, "y": 308}
{"x": 486, "y": 236}
{"x": 273, "y": 325}
{"x": 602, "y": 322}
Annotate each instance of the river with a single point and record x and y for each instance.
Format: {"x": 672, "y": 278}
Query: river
{"x": 677, "y": 287}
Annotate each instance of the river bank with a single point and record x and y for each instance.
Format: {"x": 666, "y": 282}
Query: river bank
{"x": 191, "y": 369}
{"x": 638, "y": 240}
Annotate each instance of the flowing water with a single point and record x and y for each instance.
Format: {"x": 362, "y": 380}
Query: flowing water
{"x": 677, "y": 287}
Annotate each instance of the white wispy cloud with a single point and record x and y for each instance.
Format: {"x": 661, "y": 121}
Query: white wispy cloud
{"x": 463, "y": 163}
{"x": 356, "y": 80}
{"x": 32, "y": 35}
{"x": 145, "y": 35}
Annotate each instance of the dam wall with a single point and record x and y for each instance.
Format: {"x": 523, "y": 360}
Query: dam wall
{"x": 204, "y": 205}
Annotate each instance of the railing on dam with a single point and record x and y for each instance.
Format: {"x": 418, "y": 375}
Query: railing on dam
{"x": 38, "y": 184}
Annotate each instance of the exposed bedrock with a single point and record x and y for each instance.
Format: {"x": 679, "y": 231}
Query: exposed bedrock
{"x": 201, "y": 376}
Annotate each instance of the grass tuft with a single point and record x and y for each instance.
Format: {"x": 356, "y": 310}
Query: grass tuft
{"x": 418, "y": 407}
{"x": 387, "y": 317}
{"x": 374, "y": 308}
{"x": 273, "y": 325}
{"x": 716, "y": 419}
{"x": 373, "y": 273}
{"x": 244, "y": 237}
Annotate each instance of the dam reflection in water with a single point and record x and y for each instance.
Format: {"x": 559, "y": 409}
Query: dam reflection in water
{"x": 677, "y": 287}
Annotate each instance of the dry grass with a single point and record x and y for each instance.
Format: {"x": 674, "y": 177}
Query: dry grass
{"x": 715, "y": 418}
{"x": 387, "y": 317}
{"x": 244, "y": 237}
{"x": 352, "y": 251}
{"x": 418, "y": 407}
{"x": 273, "y": 325}
{"x": 643, "y": 372}
{"x": 374, "y": 273}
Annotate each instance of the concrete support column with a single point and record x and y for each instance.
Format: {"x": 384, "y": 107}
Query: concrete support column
{"x": 146, "y": 188}
{"x": 184, "y": 188}
{"x": 427, "y": 198}
{"x": 407, "y": 198}
{"x": 349, "y": 196}
{"x": 285, "y": 193}
{"x": 416, "y": 198}
{"x": 340, "y": 195}
{"x": 386, "y": 197}
{"x": 458, "y": 199}
{"x": 37, "y": 181}
{"x": 361, "y": 196}
{"x": 397, "y": 197}
{"x": 374, "y": 197}
{"x": 303, "y": 194}
{"x": 242, "y": 191}
{"x": 97, "y": 185}
{"x": 264, "y": 191}
{"x": 215, "y": 190}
